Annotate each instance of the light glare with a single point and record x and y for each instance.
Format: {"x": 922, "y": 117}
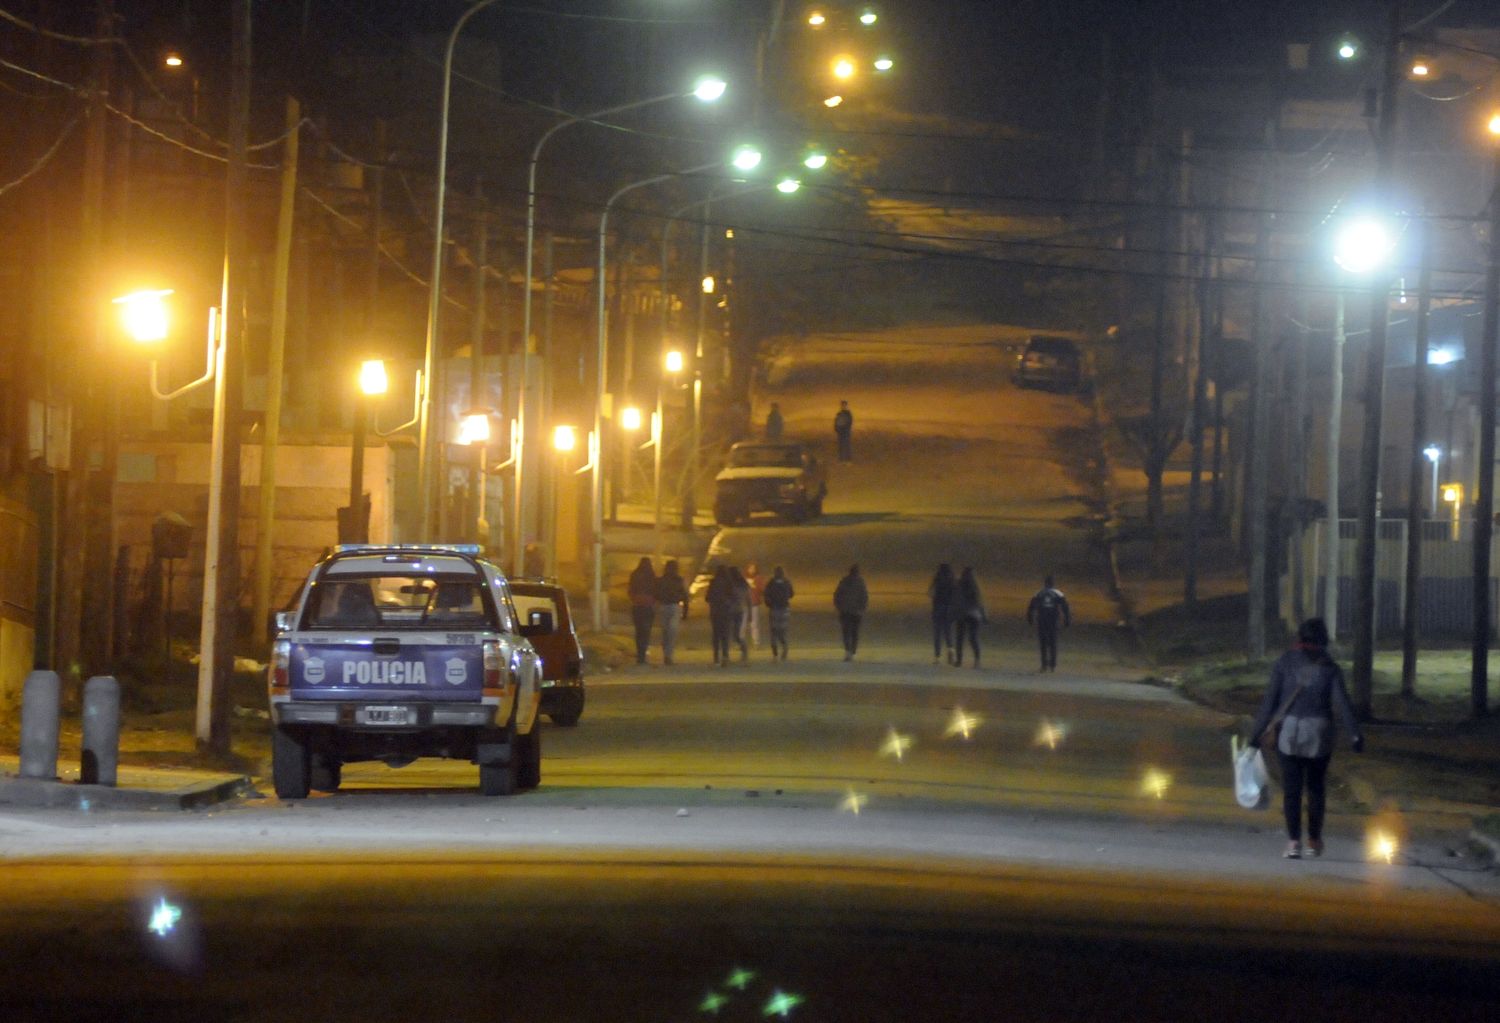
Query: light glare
{"x": 843, "y": 67}
{"x": 1155, "y": 783}
{"x": 1363, "y": 245}
{"x": 1382, "y": 847}
{"x": 833, "y": 101}
{"x": 372, "y": 378}
{"x": 164, "y": 917}
{"x": 895, "y": 744}
{"x": 816, "y": 19}
{"x": 1433, "y": 453}
{"x": 1347, "y": 50}
{"x": 630, "y": 418}
{"x": 144, "y": 315}
{"x": 673, "y": 362}
{"x": 884, "y": 64}
{"x": 746, "y": 158}
{"x": 474, "y": 428}
{"x": 961, "y": 724}
{"x": 564, "y": 438}
{"x": 786, "y": 186}
{"x": 868, "y": 18}
{"x": 853, "y": 802}
{"x": 173, "y": 60}
{"x": 815, "y": 161}
{"x": 1495, "y": 125}
{"x": 709, "y": 89}
{"x": 709, "y": 285}
{"x": 1421, "y": 69}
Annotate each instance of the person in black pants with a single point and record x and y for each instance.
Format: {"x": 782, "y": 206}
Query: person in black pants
{"x": 778, "y": 597}
{"x": 1305, "y": 694}
{"x": 851, "y": 599}
{"x": 721, "y": 601}
{"x": 941, "y": 592}
{"x": 968, "y": 612}
{"x": 843, "y": 428}
{"x": 1046, "y": 609}
{"x": 642, "y": 592}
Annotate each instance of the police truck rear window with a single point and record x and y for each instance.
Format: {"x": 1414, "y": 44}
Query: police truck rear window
{"x": 397, "y": 602}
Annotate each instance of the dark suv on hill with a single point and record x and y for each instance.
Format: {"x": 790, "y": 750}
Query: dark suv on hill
{"x": 782, "y": 478}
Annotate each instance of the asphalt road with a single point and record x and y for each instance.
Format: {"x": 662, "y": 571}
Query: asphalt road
{"x": 887, "y": 838}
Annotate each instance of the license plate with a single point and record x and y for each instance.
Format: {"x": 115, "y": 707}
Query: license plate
{"x": 386, "y": 716}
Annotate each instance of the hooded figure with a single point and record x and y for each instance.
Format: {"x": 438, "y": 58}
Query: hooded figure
{"x": 968, "y": 613}
{"x": 642, "y": 592}
{"x": 722, "y": 598}
{"x": 671, "y": 607}
{"x": 778, "y": 597}
{"x": 851, "y": 599}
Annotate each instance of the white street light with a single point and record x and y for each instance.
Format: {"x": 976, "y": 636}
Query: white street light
{"x": 884, "y": 63}
{"x": 868, "y": 18}
{"x": 372, "y": 377}
{"x": 843, "y": 68}
{"x": 745, "y": 158}
{"x": 786, "y": 186}
{"x": 709, "y": 89}
{"x": 1363, "y": 245}
{"x": 1348, "y": 50}
{"x": 564, "y": 438}
{"x": 673, "y": 361}
{"x": 815, "y": 161}
{"x": 833, "y": 101}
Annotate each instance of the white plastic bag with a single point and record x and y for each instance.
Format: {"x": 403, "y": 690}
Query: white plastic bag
{"x": 1252, "y": 785}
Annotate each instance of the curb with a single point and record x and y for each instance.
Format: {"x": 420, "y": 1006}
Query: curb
{"x": 1488, "y": 841}
{"x": 52, "y": 794}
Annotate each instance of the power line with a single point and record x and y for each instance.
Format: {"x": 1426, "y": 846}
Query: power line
{"x": 43, "y": 160}
{"x": 60, "y": 36}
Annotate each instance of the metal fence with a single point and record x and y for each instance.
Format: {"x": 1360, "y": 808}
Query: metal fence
{"x": 1445, "y": 594}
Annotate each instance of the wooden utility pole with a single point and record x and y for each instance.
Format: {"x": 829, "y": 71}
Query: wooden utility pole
{"x": 265, "y": 573}
{"x": 1414, "y": 486}
{"x": 1362, "y": 673}
{"x": 1484, "y": 506}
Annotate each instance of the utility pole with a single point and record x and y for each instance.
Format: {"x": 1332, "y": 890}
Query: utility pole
{"x": 1256, "y": 489}
{"x": 1484, "y": 506}
{"x": 275, "y": 361}
{"x": 1199, "y": 412}
{"x": 1362, "y": 675}
{"x": 221, "y": 598}
{"x": 476, "y": 358}
{"x": 1335, "y": 432}
{"x": 1417, "y": 465}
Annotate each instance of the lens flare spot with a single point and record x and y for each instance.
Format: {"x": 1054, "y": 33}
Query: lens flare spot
{"x": 1382, "y": 847}
{"x": 895, "y": 745}
{"x": 713, "y": 1002}
{"x": 1049, "y": 734}
{"x": 961, "y": 724}
{"x": 739, "y": 978}
{"x": 1155, "y": 783}
{"x": 164, "y": 917}
{"x": 782, "y": 1003}
{"x": 853, "y": 802}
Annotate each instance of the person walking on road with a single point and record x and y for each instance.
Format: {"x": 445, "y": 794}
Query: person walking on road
{"x": 843, "y": 428}
{"x": 642, "y": 592}
{"x": 778, "y": 597}
{"x": 1305, "y": 694}
{"x": 1047, "y": 608}
{"x": 757, "y": 597}
{"x": 968, "y": 613}
{"x": 941, "y": 591}
{"x": 851, "y": 599}
{"x": 720, "y": 597}
{"x": 671, "y": 607}
{"x": 739, "y": 610}
{"x": 775, "y": 425}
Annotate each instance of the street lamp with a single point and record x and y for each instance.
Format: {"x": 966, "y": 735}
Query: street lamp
{"x": 815, "y": 161}
{"x": 564, "y": 438}
{"x": 1363, "y": 245}
{"x": 373, "y": 383}
{"x": 708, "y": 89}
{"x": 673, "y": 361}
{"x": 1434, "y": 455}
{"x": 843, "y": 68}
{"x": 474, "y": 433}
{"x": 884, "y": 63}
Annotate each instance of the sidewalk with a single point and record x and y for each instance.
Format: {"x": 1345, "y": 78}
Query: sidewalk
{"x": 1427, "y": 764}
{"x": 139, "y": 788}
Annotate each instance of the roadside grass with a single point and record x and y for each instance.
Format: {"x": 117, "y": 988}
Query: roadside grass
{"x": 1201, "y": 652}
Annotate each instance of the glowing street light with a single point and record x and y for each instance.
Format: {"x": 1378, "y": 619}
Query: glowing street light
{"x": 815, "y": 161}
{"x": 630, "y": 418}
{"x": 786, "y": 186}
{"x": 868, "y": 18}
{"x": 817, "y": 19}
{"x": 144, "y": 315}
{"x": 1494, "y": 124}
{"x": 833, "y": 101}
{"x": 1348, "y": 49}
{"x": 564, "y": 438}
{"x": 1363, "y": 245}
{"x": 884, "y": 63}
{"x": 746, "y": 158}
{"x": 1420, "y": 69}
{"x": 843, "y": 68}
{"x": 172, "y": 60}
{"x": 673, "y": 361}
{"x": 708, "y": 89}
{"x": 372, "y": 377}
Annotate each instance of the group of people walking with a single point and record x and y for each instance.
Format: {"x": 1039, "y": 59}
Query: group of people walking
{"x": 735, "y": 597}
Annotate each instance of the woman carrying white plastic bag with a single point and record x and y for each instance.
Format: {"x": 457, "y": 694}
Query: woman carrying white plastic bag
{"x": 1252, "y": 784}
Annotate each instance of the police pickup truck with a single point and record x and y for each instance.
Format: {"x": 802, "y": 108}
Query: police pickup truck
{"x": 396, "y": 652}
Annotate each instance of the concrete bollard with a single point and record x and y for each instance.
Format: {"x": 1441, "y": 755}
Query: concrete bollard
{"x": 41, "y": 706}
{"x": 101, "y": 731}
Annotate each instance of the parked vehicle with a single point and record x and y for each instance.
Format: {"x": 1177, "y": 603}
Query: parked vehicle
{"x": 397, "y": 652}
{"x": 1047, "y": 361}
{"x": 547, "y": 622}
{"x": 783, "y": 478}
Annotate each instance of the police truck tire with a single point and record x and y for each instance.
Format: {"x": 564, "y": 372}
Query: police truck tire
{"x": 498, "y": 779}
{"x": 291, "y": 764}
{"x": 528, "y": 756}
{"x": 327, "y": 773}
{"x": 568, "y": 712}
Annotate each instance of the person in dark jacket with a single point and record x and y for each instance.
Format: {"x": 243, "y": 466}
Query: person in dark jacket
{"x": 1305, "y": 694}
{"x": 941, "y": 592}
{"x": 671, "y": 607}
{"x": 1046, "y": 609}
{"x": 642, "y": 592}
{"x": 778, "y": 599}
{"x": 775, "y": 425}
{"x": 843, "y": 429}
{"x": 720, "y": 596}
{"x": 851, "y": 599}
{"x": 968, "y": 613}
{"x": 739, "y": 610}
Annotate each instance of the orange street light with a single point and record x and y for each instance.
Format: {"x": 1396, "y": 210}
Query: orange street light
{"x": 144, "y": 315}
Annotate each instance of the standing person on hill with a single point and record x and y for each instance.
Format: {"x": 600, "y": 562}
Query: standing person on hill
{"x": 968, "y": 612}
{"x": 775, "y": 425}
{"x": 642, "y": 592}
{"x": 1045, "y": 610}
{"x": 778, "y": 597}
{"x": 851, "y": 598}
{"x": 671, "y": 607}
{"x": 757, "y": 586}
{"x": 720, "y": 597}
{"x": 941, "y": 591}
{"x": 843, "y": 429}
{"x": 739, "y": 610}
{"x": 1305, "y": 693}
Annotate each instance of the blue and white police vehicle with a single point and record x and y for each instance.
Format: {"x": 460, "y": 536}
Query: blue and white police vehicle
{"x": 392, "y": 653}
